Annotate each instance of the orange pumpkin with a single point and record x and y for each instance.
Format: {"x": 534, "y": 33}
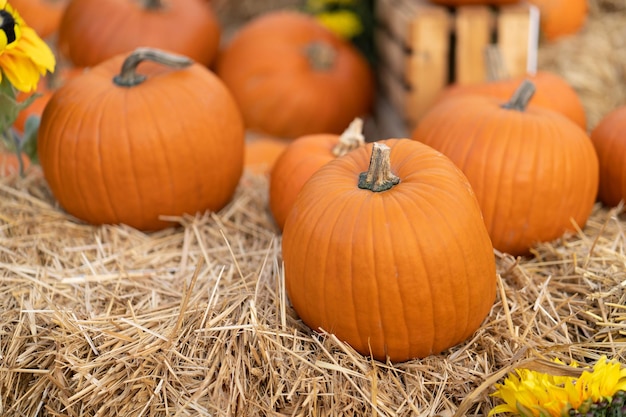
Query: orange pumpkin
{"x": 261, "y": 152}
{"x": 292, "y": 76}
{"x": 533, "y": 170}
{"x": 386, "y": 248}
{"x": 94, "y": 30}
{"x": 609, "y": 141}
{"x": 560, "y": 18}
{"x": 553, "y": 92}
{"x": 131, "y": 146}
{"x": 42, "y": 15}
{"x": 301, "y": 159}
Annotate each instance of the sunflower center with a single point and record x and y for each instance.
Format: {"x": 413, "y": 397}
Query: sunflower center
{"x": 7, "y": 25}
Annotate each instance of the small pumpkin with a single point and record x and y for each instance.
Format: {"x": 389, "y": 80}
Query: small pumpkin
{"x": 552, "y": 92}
{"x": 291, "y": 76}
{"x": 386, "y": 248}
{"x": 609, "y": 140}
{"x": 301, "y": 159}
{"x": 92, "y": 31}
{"x": 130, "y": 146}
{"x": 44, "y": 16}
{"x": 559, "y": 18}
{"x": 534, "y": 171}
{"x": 261, "y": 152}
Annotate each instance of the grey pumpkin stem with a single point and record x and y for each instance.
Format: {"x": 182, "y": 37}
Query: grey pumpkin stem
{"x": 153, "y": 4}
{"x": 128, "y": 75}
{"x": 378, "y": 176}
{"x": 321, "y": 55}
{"x": 521, "y": 97}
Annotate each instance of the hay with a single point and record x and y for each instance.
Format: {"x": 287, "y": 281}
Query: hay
{"x": 593, "y": 61}
{"x": 193, "y": 320}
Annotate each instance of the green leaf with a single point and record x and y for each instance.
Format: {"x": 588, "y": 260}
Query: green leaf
{"x": 28, "y": 145}
{"x": 9, "y": 106}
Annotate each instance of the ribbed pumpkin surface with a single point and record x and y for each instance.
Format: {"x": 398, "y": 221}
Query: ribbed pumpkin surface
{"x": 401, "y": 273}
{"x": 609, "y": 141}
{"x": 534, "y": 172}
{"x": 170, "y": 145}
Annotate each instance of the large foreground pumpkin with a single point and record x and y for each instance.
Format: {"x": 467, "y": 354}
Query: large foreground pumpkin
{"x": 291, "y": 76}
{"x": 92, "y": 31}
{"x": 129, "y": 147}
{"x": 534, "y": 171}
{"x": 391, "y": 256}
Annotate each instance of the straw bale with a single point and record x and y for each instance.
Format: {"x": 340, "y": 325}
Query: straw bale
{"x": 593, "y": 60}
{"x": 194, "y": 320}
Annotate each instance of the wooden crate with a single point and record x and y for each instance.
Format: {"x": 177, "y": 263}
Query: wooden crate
{"x": 424, "y": 47}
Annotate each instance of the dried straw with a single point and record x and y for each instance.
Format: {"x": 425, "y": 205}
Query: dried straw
{"x": 194, "y": 320}
{"x": 593, "y": 60}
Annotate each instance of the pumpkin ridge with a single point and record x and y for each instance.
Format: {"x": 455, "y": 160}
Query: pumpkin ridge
{"x": 84, "y": 139}
{"x": 513, "y": 160}
{"x": 164, "y": 143}
{"x": 435, "y": 333}
{"x": 406, "y": 313}
{"x": 106, "y": 200}
{"x": 364, "y": 339}
{"x": 338, "y": 219}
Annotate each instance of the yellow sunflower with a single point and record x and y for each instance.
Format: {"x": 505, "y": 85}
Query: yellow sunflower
{"x": 598, "y": 391}
{"x": 344, "y": 23}
{"x": 24, "y": 56}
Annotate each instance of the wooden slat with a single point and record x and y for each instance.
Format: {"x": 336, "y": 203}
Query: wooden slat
{"x": 428, "y": 69}
{"x": 413, "y": 39}
{"x": 513, "y": 31}
{"x": 473, "y": 28}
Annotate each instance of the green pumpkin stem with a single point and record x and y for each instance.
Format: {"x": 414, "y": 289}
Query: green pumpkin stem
{"x": 350, "y": 139}
{"x": 321, "y": 56}
{"x": 379, "y": 177}
{"x": 521, "y": 96}
{"x": 128, "y": 75}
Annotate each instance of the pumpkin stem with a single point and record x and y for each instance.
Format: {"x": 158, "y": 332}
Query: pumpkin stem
{"x": 321, "y": 55}
{"x": 521, "y": 97}
{"x": 128, "y": 76}
{"x": 350, "y": 139}
{"x": 378, "y": 176}
{"x": 496, "y": 70}
{"x": 153, "y": 4}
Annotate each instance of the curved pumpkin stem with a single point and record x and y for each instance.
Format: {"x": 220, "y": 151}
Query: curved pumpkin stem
{"x": 128, "y": 76}
{"x": 379, "y": 177}
{"x": 521, "y": 97}
{"x": 350, "y": 139}
{"x": 321, "y": 55}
